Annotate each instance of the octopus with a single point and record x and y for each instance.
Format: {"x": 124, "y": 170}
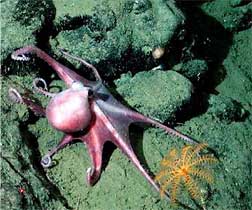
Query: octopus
{"x": 86, "y": 111}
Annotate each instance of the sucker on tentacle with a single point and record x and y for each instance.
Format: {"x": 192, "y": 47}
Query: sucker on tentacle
{"x": 66, "y": 74}
{"x": 89, "y": 112}
{"x": 20, "y": 57}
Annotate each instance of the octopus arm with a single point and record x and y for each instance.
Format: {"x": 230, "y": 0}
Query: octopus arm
{"x": 121, "y": 117}
{"x": 66, "y": 74}
{"x": 95, "y": 138}
{"x": 16, "y": 97}
{"x": 117, "y": 124}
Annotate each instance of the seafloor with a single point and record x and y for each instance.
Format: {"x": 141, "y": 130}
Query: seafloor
{"x": 200, "y": 84}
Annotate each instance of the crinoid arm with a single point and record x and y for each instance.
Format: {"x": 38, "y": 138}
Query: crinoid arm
{"x": 201, "y": 160}
{"x": 192, "y": 187}
{"x": 204, "y": 174}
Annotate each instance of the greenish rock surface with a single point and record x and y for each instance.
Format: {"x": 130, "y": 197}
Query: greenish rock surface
{"x": 232, "y": 18}
{"x": 236, "y": 3}
{"x": 225, "y": 123}
{"x": 193, "y": 69}
{"x": 157, "y": 94}
{"x": 225, "y": 109}
{"x": 73, "y": 9}
{"x": 232, "y": 142}
{"x": 20, "y": 169}
{"x": 121, "y": 185}
{"x": 238, "y": 65}
{"x": 20, "y": 21}
{"x": 120, "y": 31}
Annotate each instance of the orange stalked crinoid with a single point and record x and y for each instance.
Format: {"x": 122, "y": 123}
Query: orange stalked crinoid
{"x": 184, "y": 167}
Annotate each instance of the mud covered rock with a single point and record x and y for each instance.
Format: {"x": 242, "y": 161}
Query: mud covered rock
{"x": 225, "y": 109}
{"x": 232, "y": 145}
{"x": 116, "y": 33}
{"x": 238, "y": 65}
{"x": 73, "y": 9}
{"x": 20, "y": 21}
{"x": 232, "y": 18}
{"x": 193, "y": 69}
{"x": 120, "y": 32}
{"x": 157, "y": 94}
{"x": 235, "y": 3}
{"x": 23, "y": 181}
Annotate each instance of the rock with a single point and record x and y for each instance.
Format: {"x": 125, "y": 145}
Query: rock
{"x": 20, "y": 20}
{"x": 193, "y": 69}
{"x": 23, "y": 181}
{"x": 120, "y": 32}
{"x": 157, "y": 94}
{"x": 232, "y": 18}
{"x": 236, "y": 3}
{"x": 225, "y": 109}
{"x": 73, "y": 9}
{"x": 238, "y": 65}
{"x": 232, "y": 144}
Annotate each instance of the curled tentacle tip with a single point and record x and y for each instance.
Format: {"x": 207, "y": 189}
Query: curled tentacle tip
{"x": 43, "y": 90}
{"x": 15, "y": 96}
{"x": 21, "y": 57}
{"x": 46, "y": 161}
{"x": 39, "y": 80}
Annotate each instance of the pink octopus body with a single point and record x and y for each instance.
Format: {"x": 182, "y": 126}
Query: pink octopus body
{"x": 89, "y": 112}
{"x": 71, "y": 106}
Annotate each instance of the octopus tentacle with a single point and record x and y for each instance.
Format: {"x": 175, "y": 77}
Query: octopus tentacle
{"x": 66, "y": 74}
{"x": 94, "y": 173}
{"x": 95, "y": 139}
{"x": 47, "y": 159}
{"x": 19, "y": 57}
{"x": 126, "y": 148}
{"x": 39, "y": 89}
{"x": 122, "y": 141}
{"x": 141, "y": 118}
{"x": 90, "y": 66}
{"x": 16, "y": 97}
{"x": 128, "y": 116}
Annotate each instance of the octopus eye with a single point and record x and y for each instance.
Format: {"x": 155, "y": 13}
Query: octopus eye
{"x": 76, "y": 85}
{"x": 90, "y": 93}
